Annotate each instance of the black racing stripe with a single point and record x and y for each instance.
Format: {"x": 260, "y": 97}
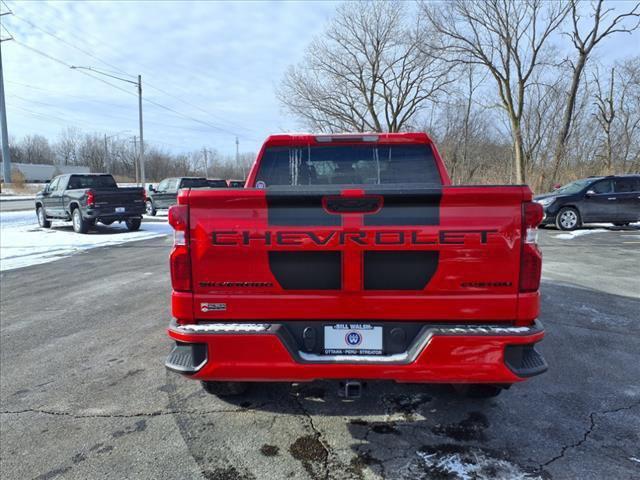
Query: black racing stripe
{"x": 399, "y": 270}
{"x": 307, "y": 270}
{"x": 299, "y": 209}
{"x": 407, "y": 208}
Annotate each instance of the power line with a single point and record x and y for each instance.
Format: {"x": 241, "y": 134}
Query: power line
{"x": 193, "y": 105}
{"x": 101, "y": 102}
{"x": 70, "y": 44}
{"x": 164, "y": 107}
{"x": 120, "y": 71}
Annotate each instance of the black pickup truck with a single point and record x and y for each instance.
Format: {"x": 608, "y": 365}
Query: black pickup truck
{"x": 166, "y": 193}
{"x": 89, "y": 198}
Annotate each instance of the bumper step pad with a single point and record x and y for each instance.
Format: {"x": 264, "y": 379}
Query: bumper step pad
{"x": 524, "y": 360}
{"x": 187, "y": 357}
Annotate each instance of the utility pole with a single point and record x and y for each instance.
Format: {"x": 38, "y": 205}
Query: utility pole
{"x": 107, "y": 163}
{"x": 135, "y": 149}
{"x": 206, "y": 163}
{"x": 142, "y": 179}
{"x": 138, "y": 84}
{"x": 237, "y": 151}
{"x": 6, "y": 157}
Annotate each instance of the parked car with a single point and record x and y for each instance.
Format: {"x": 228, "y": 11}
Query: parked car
{"x": 236, "y": 183}
{"x": 613, "y": 199}
{"x": 89, "y": 198}
{"x": 166, "y": 193}
{"x": 216, "y": 183}
{"x": 357, "y": 260}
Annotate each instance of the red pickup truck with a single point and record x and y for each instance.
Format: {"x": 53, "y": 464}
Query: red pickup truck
{"x": 352, "y": 257}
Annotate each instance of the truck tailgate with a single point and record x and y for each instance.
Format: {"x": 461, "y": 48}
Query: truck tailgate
{"x": 120, "y": 197}
{"x": 443, "y": 254}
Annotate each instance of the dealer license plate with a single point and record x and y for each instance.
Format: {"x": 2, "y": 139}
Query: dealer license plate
{"x": 119, "y": 209}
{"x": 352, "y": 339}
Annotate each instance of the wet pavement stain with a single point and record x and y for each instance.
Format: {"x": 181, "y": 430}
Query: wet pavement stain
{"x": 310, "y": 451}
{"x": 471, "y": 428}
{"x": 269, "y": 450}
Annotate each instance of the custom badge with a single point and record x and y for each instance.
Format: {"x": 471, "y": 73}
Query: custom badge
{"x": 213, "y": 307}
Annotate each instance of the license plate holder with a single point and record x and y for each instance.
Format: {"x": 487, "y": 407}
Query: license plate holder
{"x": 353, "y": 339}
{"x": 120, "y": 209}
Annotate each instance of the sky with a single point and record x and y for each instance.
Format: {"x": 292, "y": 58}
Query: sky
{"x": 217, "y": 64}
{"x": 212, "y": 67}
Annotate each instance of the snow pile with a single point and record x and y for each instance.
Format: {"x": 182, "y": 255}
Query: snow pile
{"x": 24, "y": 243}
{"x": 461, "y": 463}
{"x": 579, "y": 233}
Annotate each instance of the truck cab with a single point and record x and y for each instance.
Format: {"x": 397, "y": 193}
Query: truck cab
{"x": 166, "y": 193}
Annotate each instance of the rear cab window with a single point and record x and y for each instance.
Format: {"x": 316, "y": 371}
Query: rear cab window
{"x": 193, "y": 183}
{"x": 359, "y": 164}
{"x": 91, "y": 181}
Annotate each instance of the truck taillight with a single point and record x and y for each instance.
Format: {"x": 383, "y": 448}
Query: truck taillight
{"x": 178, "y": 219}
{"x": 91, "y": 199}
{"x": 180, "y": 259}
{"x": 180, "y": 262}
{"x": 530, "y": 257}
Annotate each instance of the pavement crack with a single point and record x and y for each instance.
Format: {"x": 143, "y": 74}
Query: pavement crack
{"x": 586, "y": 434}
{"x": 156, "y": 413}
{"x": 318, "y": 434}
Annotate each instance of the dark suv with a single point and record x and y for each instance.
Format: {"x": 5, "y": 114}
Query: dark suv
{"x": 166, "y": 193}
{"x": 613, "y": 199}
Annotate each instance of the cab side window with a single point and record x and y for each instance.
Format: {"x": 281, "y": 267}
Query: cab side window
{"x": 172, "y": 185}
{"x": 602, "y": 187}
{"x": 163, "y": 185}
{"x": 54, "y": 184}
{"x": 626, "y": 185}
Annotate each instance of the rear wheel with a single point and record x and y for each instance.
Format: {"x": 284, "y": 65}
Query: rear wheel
{"x": 133, "y": 224}
{"x": 225, "y": 389}
{"x": 479, "y": 390}
{"x": 568, "y": 218}
{"x": 150, "y": 208}
{"x": 42, "y": 218}
{"x": 80, "y": 225}
{"x": 621, "y": 224}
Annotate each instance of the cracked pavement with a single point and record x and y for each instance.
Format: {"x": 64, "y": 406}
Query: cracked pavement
{"x": 84, "y": 394}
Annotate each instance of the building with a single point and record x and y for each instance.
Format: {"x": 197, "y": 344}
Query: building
{"x": 37, "y": 173}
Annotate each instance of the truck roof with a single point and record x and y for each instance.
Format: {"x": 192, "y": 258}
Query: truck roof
{"x": 325, "y": 138}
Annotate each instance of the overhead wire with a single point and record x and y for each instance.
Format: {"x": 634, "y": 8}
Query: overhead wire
{"x": 120, "y": 71}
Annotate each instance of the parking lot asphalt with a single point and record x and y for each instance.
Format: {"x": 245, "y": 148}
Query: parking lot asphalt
{"x": 84, "y": 393}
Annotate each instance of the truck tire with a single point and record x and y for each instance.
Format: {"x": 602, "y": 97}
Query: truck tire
{"x": 150, "y": 208}
{"x": 568, "y": 218}
{"x": 133, "y": 224}
{"x": 42, "y": 218}
{"x": 479, "y": 390}
{"x": 225, "y": 389}
{"x": 80, "y": 225}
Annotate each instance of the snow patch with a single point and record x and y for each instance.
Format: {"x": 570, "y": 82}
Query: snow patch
{"x": 469, "y": 464}
{"x": 23, "y": 243}
{"x": 579, "y": 233}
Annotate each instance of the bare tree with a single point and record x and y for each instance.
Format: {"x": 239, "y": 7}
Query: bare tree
{"x": 605, "y": 115}
{"x": 509, "y": 39}
{"x": 584, "y": 41}
{"x": 368, "y": 72}
{"x": 36, "y": 149}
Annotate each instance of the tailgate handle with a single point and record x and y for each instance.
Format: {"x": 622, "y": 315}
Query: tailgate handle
{"x": 366, "y": 204}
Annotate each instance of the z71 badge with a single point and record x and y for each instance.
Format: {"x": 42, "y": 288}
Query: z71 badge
{"x": 213, "y": 307}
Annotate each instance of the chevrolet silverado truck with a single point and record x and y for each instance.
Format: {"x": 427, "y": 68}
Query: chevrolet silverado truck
{"x": 166, "y": 194}
{"x": 89, "y": 198}
{"x": 353, "y": 258}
